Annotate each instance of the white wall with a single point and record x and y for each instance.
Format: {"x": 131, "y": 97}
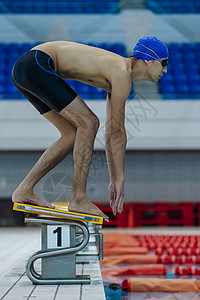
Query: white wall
{"x": 40, "y": 28}
{"x": 149, "y": 124}
{"x": 126, "y": 27}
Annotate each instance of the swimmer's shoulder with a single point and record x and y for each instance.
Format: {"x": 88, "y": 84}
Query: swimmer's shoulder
{"x": 59, "y": 48}
{"x": 50, "y": 47}
{"x": 58, "y": 45}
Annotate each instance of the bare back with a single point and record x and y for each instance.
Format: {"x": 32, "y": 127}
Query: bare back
{"x": 91, "y": 65}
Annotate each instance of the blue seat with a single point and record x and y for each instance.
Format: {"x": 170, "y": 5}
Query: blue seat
{"x": 100, "y": 94}
{"x": 178, "y": 6}
{"x": 183, "y": 72}
{"x": 194, "y": 87}
{"x": 182, "y": 87}
{"x": 195, "y": 77}
{"x": 1, "y": 87}
{"x": 180, "y": 69}
{"x": 61, "y": 6}
{"x": 175, "y": 54}
{"x": 168, "y": 88}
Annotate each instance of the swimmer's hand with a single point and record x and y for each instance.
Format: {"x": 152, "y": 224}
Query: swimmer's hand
{"x": 116, "y": 197}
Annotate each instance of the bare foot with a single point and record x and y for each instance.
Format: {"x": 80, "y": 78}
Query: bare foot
{"x": 30, "y": 198}
{"x": 86, "y": 207}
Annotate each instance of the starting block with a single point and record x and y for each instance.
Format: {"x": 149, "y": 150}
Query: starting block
{"x": 63, "y": 235}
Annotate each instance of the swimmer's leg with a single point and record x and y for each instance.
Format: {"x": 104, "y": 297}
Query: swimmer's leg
{"x": 49, "y": 159}
{"x": 87, "y": 125}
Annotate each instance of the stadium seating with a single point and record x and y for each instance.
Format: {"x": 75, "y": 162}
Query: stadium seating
{"x": 173, "y": 6}
{"x": 11, "y": 52}
{"x": 182, "y": 80}
{"x": 58, "y": 6}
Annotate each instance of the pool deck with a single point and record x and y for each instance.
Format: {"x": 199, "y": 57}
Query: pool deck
{"x": 16, "y": 245}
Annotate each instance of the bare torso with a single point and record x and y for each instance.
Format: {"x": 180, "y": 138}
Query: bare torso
{"x": 91, "y": 65}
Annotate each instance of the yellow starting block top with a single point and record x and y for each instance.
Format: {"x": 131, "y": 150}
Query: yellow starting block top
{"x": 58, "y": 211}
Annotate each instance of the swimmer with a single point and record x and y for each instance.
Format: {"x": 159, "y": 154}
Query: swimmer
{"x": 38, "y": 75}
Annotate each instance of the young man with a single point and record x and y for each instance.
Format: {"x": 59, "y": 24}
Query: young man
{"x": 38, "y": 75}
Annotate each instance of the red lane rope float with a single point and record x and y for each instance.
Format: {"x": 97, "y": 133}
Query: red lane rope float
{"x": 160, "y": 285}
{"x": 124, "y": 250}
{"x": 111, "y": 239}
{"x": 156, "y": 270}
{"x": 130, "y": 259}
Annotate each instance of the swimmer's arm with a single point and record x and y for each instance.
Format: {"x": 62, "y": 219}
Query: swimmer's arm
{"x": 116, "y": 136}
{"x": 109, "y": 157}
{"x": 121, "y": 87}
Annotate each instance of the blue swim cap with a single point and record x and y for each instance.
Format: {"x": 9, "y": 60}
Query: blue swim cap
{"x": 150, "y": 48}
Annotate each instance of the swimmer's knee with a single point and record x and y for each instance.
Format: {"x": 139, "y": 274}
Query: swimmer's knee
{"x": 80, "y": 115}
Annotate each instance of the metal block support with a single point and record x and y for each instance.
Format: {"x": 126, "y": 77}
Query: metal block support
{"x": 64, "y": 233}
{"x": 61, "y": 266}
{"x": 58, "y": 263}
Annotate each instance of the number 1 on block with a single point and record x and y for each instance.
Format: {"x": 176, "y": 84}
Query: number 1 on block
{"x": 58, "y": 236}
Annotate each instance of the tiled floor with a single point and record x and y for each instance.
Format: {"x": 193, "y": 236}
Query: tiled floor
{"x": 16, "y": 245}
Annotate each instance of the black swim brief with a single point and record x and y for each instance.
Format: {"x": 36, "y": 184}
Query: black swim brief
{"x": 34, "y": 76}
